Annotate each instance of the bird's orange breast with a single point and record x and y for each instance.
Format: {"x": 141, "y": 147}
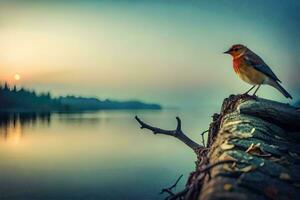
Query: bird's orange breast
{"x": 236, "y": 65}
{"x": 247, "y": 72}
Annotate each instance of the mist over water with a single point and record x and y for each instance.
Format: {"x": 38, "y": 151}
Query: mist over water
{"x": 99, "y": 155}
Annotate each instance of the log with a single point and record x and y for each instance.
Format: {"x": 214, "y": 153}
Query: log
{"x": 252, "y": 152}
{"x": 261, "y": 138}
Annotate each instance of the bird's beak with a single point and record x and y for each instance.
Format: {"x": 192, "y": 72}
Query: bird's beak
{"x": 227, "y": 52}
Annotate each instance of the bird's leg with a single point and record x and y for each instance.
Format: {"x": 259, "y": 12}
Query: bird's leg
{"x": 249, "y": 90}
{"x": 256, "y": 90}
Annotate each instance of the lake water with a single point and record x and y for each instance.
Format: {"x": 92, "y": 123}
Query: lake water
{"x": 98, "y": 155}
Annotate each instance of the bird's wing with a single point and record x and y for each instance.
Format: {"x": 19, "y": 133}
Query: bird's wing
{"x": 258, "y": 63}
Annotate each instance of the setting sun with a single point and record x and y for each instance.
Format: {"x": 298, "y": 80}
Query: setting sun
{"x": 17, "y": 77}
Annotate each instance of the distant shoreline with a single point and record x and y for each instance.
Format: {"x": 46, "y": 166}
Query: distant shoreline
{"x": 74, "y": 111}
{"x": 22, "y": 100}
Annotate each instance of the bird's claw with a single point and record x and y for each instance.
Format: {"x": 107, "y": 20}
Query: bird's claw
{"x": 254, "y": 96}
{"x": 245, "y": 95}
{"x": 248, "y": 96}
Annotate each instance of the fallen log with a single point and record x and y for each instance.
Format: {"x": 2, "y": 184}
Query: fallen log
{"x": 261, "y": 138}
{"x": 252, "y": 152}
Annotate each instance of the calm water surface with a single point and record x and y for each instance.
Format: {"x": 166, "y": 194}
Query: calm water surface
{"x": 100, "y": 155}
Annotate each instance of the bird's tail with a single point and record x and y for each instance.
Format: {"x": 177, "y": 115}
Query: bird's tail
{"x": 281, "y": 89}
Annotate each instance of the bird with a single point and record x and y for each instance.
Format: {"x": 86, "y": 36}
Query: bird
{"x": 252, "y": 69}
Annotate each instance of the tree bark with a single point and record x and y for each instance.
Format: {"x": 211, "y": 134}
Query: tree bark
{"x": 261, "y": 137}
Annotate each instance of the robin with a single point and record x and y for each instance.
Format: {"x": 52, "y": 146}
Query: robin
{"x": 252, "y": 69}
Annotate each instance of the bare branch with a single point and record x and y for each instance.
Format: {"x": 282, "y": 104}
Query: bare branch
{"x": 155, "y": 130}
{"x": 175, "y": 133}
{"x": 176, "y": 182}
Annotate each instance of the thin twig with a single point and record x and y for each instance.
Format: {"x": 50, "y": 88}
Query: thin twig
{"x": 169, "y": 189}
{"x": 175, "y": 184}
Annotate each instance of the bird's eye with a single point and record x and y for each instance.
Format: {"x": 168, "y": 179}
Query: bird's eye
{"x": 235, "y": 49}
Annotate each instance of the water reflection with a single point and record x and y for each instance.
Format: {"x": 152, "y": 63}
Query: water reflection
{"x": 13, "y": 124}
{"x": 89, "y": 155}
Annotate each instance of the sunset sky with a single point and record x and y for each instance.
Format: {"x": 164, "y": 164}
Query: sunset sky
{"x": 169, "y": 52}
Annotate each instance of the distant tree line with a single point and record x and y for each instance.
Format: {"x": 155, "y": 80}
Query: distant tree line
{"x": 23, "y": 99}
{"x": 13, "y": 99}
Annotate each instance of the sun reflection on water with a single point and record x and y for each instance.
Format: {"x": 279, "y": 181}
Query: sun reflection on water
{"x": 12, "y": 125}
{"x": 12, "y": 133}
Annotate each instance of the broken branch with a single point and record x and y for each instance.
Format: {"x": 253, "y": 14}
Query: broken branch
{"x": 175, "y": 133}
